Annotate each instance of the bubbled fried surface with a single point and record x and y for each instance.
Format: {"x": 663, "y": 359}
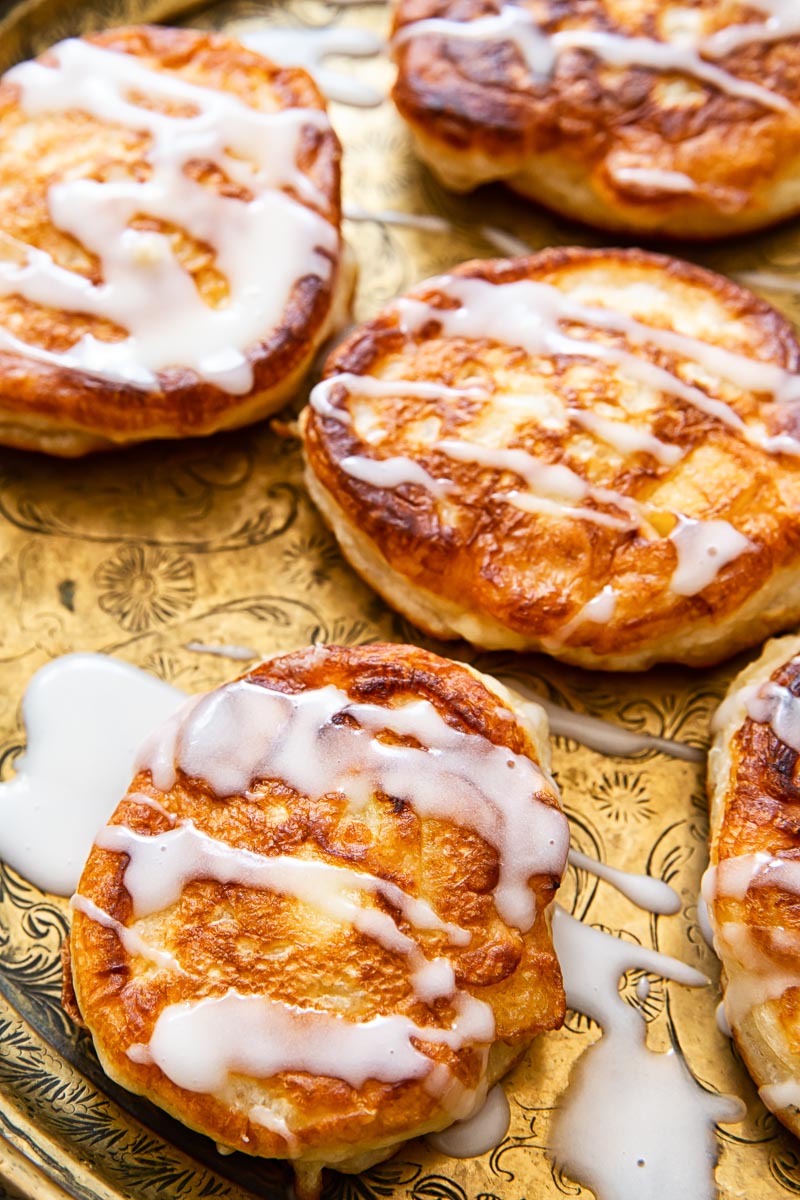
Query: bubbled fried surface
{"x": 470, "y": 564}
{"x": 66, "y": 411}
{"x": 754, "y": 790}
{"x": 227, "y": 936}
{"x": 568, "y": 140}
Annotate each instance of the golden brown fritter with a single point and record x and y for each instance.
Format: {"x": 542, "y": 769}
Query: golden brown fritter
{"x": 458, "y": 552}
{"x": 624, "y": 146}
{"x": 66, "y": 410}
{"x": 754, "y": 904}
{"x": 226, "y": 935}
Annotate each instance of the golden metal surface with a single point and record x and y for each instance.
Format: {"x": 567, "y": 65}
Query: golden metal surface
{"x": 141, "y": 552}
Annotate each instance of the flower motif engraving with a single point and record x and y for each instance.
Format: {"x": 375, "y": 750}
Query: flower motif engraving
{"x": 142, "y": 586}
{"x": 623, "y": 797}
{"x": 312, "y": 556}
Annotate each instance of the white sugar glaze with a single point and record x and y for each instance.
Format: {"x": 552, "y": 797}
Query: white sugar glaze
{"x": 528, "y": 314}
{"x": 760, "y": 978}
{"x": 643, "y": 890}
{"x": 733, "y": 707}
{"x": 267, "y": 1117}
{"x": 735, "y": 876}
{"x": 783, "y": 21}
{"x": 506, "y": 243}
{"x": 704, "y": 548}
{"x": 156, "y": 805}
{"x": 774, "y": 705}
{"x": 643, "y": 989}
{"x": 160, "y": 866}
{"x": 653, "y": 179}
{"x": 531, "y": 502}
{"x": 633, "y": 1123}
{"x": 769, "y": 703}
{"x": 85, "y": 715}
{"x": 256, "y": 1036}
{"x": 365, "y": 385}
{"x": 308, "y": 48}
{"x": 131, "y": 941}
{"x": 424, "y": 222}
{"x": 239, "y": 653}
{"x": 721, "y": 1019}
{"x": 704, "y": 921}
{"x": 392, "y": 473}
{"x": 598, "y": 611}
{"x": 243, "y": 732}
{"x": 627, "y": 439}
{"x": 785, "y": 1094}
{"x": 546, "y": 481}
{"x": 477, "y": 1134}
{"x": 598, "y": 734}
{"x": 255, "y": 149}
{"x": 541, "y": 50}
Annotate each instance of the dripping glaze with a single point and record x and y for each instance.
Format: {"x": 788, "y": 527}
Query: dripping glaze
{"x": 309, "y": 48}
{"x": 85, "y": 716}
{"x": 658, "y": 1137}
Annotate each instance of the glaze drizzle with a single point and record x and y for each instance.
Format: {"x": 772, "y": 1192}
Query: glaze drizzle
{"x": 279, "y": 224}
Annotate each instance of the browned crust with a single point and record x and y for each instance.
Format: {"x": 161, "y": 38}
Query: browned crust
{"x": 476, "y": 104}
{"x": 762, "y": 805}
{"x": 754, "y": 787}
{"x": 449, "y": 866}
{"x": 69, "y": 1001}
{"x": 530, "y": 574}
{"x": 69, "y": 411}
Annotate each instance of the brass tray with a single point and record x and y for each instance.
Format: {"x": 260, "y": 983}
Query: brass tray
{"x": 140, "y": 553}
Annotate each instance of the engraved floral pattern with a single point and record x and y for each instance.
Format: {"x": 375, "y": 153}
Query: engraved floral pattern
{"x": 142, "y": 586}
{"x": 312, "y": 558}
{"x": 623, "y": 797}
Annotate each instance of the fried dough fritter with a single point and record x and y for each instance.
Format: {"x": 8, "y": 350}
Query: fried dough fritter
{"x": 547, "y": 497}
{"x": 752, "y": 885}
{"x": 609, "y": 136}
{"x": 223, "y": 935}
{"x": 52, "y": 395}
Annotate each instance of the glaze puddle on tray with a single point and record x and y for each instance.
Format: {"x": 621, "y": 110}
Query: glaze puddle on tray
{"x": 633, "y": 1124}
{"x": 85, "y": 716}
